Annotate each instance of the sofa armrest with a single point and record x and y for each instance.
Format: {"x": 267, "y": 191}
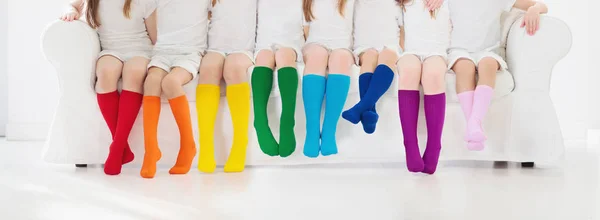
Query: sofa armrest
{"x": 72, "y": 48}
{"x": 531, "y": 58}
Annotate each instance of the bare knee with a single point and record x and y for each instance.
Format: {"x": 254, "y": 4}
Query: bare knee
{"x": 464, "y": 67}
{"x": 409, "y": 68}
{"x": 286, "y": 57}
{"x": 340, "y": 61}
{"x": 107, "y": 78}
{"x": 488, "y": 65}
{"x": 433, "y": 78}
{"x": 152, "y": 84}
{"x": 315, "y": 59}
{"x": 388, "y": 57}
{"x": 170, "y": 85}
{"x": 133, "y": 77}
{"x": 210, "y": 73}
{"x": 265, "y": 58}
{"x": 236, "y": 69}
{"x": 368, "y": 60}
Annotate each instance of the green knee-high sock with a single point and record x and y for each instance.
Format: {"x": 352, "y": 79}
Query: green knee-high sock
{"x": 288, "y": 87}
{"x": 262, "y": 83}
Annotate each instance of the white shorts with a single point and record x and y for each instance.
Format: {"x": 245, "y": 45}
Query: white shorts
{"x": 456, "y": 54}
{"x": 189, "y": 62}
{"x": 225, "y": 54}
{"x": 124, "y": 56}
{"x": 329, "y": 49}
{"x": 425, "y": 56}
{"x": 275, "y": 47}
{"x": 360, "y": 50}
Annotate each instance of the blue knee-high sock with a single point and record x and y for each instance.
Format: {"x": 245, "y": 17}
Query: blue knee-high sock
{"x": 380, "y": 83}
{"x": 336, "y": 94}
{"x": 313, "y": 91}
{"x": 368, "y": 118}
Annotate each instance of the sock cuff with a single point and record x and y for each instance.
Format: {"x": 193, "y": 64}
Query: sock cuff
{"x": 384, "y": 68}
{"x": 338, "y": 76}
{"x": 151, "y": 99}
{"x": 443, "y": 94}
{"x": 207, "y": 87}
{"x": 262, "y": 69}
{"x": 287, "y": 69}
{"x": 466, "y": 93}
{"x": 178, "y": 99}
{"x": 113, "y": 93}
{"x": 243, "y": 85}
{"x": 365, "y": 75}
{"x": 127, "y": 92}
{"x": 313, "y": 77}
{"x": 407, "y": 92}
{"x": 484, "y": 87}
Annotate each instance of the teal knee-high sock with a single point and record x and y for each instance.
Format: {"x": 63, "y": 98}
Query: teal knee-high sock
{"x": 336, "y": 94}
{"x": 313, "y": 92}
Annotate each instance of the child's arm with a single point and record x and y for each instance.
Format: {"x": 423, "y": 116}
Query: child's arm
{"x": 531, "y": 21}
{"x": 402, "y": 37}
{"x": 151, "y": 26}
{"x": 434, "y": 4}
{"x": 306, "y": 30}
{"x": 74, "y": 11}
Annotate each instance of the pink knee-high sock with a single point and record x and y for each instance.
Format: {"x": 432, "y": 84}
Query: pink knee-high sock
{"x": 466, "y": 103}
{"x": 481, "y": 102}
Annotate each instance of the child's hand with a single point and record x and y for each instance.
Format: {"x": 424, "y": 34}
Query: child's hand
{"x": 434, "y": 4}
{"x": 70, "y": 16}
{"x": 531, "y": 21}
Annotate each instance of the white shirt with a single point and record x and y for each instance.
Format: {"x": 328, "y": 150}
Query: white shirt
{"x": 182, "y": 26}
{"x": 424, "y": 33}
{"x": 376, "y": 23}
{"x": 280, "y": 22}
{"x": 116, "y": 32}
{"x": 476, "y": 23}
{"x": 233, "y": 26}
{"x": 329, "y": 27}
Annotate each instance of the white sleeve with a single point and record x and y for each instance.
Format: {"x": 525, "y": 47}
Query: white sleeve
{"x": 508, "y": 4}
{"x": 150, "y": 7}
{"x": 400, "y": 17}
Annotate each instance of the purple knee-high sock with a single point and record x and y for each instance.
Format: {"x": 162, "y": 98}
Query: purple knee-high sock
{"x": 408, "y": 108}
{"x": 435, "y": 112}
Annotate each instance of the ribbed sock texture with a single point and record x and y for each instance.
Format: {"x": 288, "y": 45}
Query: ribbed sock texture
{"x": 129, "y": 107}
{"x": 207, "y": 106}
{"x": 435, "y": 113}
{"x": 336, "y": 93}
{"x": 109, "y": 106}
{"x": 481, "y": 103}
{"x": 187, "y": 146}
{"x": 379, "y": 84}
{"x": 287, "y": 78}
{"x": 238, "y": 98}
{"x": 152, "y": 154}
{"x": 313, "y": 92}
{"x": 262, "y": 84}
{"x": 408, "y": 108}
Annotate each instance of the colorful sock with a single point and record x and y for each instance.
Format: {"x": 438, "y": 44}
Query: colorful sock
{"x": 151, "y": 114}
{"x": 187, "y": 147}
{"x": 288, "y": 87}
{"x": 238, "y": 98}
{"x": 481, "y": 102}
{"x": 109, "y": 106}
{"x": 207, "y": 106}
{"x": 336, "y": 93}
{"x": 129, "y": 107}
{"x": 466, "y": 103}
{"x": 380, "y": 83}
{"x": 262, "y": 83}
{"x": 368, "y": 118}
{"x": 313, "y": 92}
{"x": 408, "y": 108}
{"x": 435, "y": 112}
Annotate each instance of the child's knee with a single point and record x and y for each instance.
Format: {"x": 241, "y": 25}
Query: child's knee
{"x": 210, "y": 73}
{"x": 265, "y": 58}
{"x": 286, "y": 57}
{"x": 107, "y": 78}
{"x": 170, "y": 85}
{"x": 236, "y": 69}
{"x": 464, "y": 67}
{"x": 433, "y": 80}
{"x": 369, "y": 58}
{"x": 388, "y": 57}
{"x": 489, "y": 64}
{"x": 340, "y": 61}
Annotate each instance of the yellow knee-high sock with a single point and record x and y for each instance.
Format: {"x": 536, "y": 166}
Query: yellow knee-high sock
{"x": 238, "y": 98}
{"x": 207, "y": 105}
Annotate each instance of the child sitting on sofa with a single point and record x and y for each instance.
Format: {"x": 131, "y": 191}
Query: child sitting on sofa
{"x": 182, "y": 26}
{"x": 475, "y": 41}
{"x": 127, "y": 30}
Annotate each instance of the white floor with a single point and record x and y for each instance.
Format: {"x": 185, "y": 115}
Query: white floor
{"x": 31, "y": 189}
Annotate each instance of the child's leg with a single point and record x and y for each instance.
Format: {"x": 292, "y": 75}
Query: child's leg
{"x": 151, "y": 113}
{"x": 408, "y": 107}
{"x": 172, "y": 87}
{"x": 208, "y": 95}
{"x": 238, "y": 98}
{"x": 338, "y": 84}
{"x": 287, "y": 78}
{"x": 313, "y": 92}
{"x": 368, "y": 63}
{"x": 262, "y": 84}
{"x": 465, "y": 86}
{"x": 134, "y": 72}
{"x": 434, "y": 86}
{"x": 484, "y": 92}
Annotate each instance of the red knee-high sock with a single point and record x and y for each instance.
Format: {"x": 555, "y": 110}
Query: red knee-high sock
{"x": 129, "y": 107}
{"x": 109, "y": 106}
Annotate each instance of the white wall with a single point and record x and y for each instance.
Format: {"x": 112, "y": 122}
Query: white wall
{"x": 3, "y": 68}
{"x": 594, "y": 80}
{"x": 34, "y": 91}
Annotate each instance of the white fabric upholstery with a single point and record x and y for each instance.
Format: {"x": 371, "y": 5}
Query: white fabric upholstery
{"x": 521, "y": 124}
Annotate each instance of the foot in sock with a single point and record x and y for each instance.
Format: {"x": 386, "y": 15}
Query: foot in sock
{"x": 287, "y": 78}
{"x": 186, "y": 155}
{"x": 236, "y": 161}
{"x": 187, "y": 147}
{"x": 313, "y": 92}
{"x": 369, "y": 121}
{"x": 128, "y": 155}
{"x": 114, "y": 161}
{"x": 379, "y": 83}
{"x": 151, "y": 157}
{"x": 262, "y": 84}
{"x": 475, "y": 146}
{"x": 337, "y": 91}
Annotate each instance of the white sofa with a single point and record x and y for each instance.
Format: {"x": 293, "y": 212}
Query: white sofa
{"x": 521, "y": 125}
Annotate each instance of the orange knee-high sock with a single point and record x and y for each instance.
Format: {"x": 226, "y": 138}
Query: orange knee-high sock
{"x": 151, "y": 106}
{"x": 187, "y": 150}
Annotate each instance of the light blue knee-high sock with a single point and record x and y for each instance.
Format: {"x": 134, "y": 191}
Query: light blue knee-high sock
{"x": 336, "y": 93}
{"x": 313, "y": 91}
